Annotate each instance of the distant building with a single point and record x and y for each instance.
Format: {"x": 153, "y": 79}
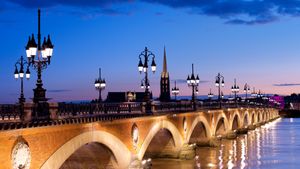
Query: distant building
{"x": 126, "y": 96}
{"x": 292, "y": 101}
{"x": 278, "y": 99}
{"x": 165, "y": 82}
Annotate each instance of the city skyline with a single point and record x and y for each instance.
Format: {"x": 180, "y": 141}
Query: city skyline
{"x": 113, "y": 39}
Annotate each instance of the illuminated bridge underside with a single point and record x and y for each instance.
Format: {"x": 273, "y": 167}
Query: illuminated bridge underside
{"x": 110, "y": 144}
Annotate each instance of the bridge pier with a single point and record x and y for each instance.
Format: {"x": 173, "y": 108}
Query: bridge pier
{"x": 252, "y": 127}
{"x": 231, "y": 135}
{"x": 187, "y": 152}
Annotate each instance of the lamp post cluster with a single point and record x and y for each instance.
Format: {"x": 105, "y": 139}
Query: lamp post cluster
{"x": 193, "y": 82}
{"x": 246, "y": 90}
{"x": 39, "y": 57}
{"x": 175, "y": 91}
{"x": 143, "y": 67}
{"x": 219, "y": 83}
{"x": 19, "y": 73}
{"x": 100, "y": 85}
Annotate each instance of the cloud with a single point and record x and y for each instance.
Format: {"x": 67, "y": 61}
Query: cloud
{"x": 286, "y": 84}
{"x": 83, "y": 8}
{"x": 58, "y": 90}
{"x": 94, "y": 13}
{"x": 245, "y": 12}
{"x": 72, "y": 3}
{"x": 255, "y": 21}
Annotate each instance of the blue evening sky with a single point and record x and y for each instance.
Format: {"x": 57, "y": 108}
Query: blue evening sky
{"x": 255, "y": 42}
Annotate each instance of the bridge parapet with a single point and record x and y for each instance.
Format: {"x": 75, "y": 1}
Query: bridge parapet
{"x": 76, "y": 113}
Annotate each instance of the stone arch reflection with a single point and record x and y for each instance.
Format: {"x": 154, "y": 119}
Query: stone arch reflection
{"x": 246, "y": 120}
{"x": 161, "y": 145}
{"x": 199, "y": 134}
{"x": 220, "y": 127}
{"x": 253, "y": 118}
{"x": 235, "y": 123}
{"x": 91, "y": 155}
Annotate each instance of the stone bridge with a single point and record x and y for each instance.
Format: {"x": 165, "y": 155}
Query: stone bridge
{"x": 124, "y": 143}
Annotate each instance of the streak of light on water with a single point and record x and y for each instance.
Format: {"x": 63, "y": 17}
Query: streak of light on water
{"x": 275, "y": 145}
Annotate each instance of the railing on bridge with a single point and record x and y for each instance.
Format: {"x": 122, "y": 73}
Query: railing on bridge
{"x": 71, "y": 113}
{"x": 10, "y": 113}
{"x": 69, "y": 110}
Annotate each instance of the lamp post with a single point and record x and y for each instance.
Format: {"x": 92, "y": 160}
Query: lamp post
{"x": 259, "y": 97}
{"x": 175, "y": 91}
{"x": 19, "y": 73}
{"x": 193, "y": 82}
{"x": 210, "y": 96}
{"x": 246, "y": 90}
{"x": 254, "y": 95}
{"x": 219, "y": 83}
{"x": 235, "y": 89}
{"x": 39, "y": 57}
{"x": 100, "y": 85}
{"x": 143, "y": 67}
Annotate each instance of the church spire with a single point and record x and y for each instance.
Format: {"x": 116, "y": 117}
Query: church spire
{"x": 165, "y": 81}
{"x": 165, "y": 61}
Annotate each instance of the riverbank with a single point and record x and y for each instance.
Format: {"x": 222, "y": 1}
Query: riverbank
{"x": 289, "y": 113}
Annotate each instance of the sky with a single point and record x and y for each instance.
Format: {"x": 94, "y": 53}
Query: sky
{"x": 254, "y": 41}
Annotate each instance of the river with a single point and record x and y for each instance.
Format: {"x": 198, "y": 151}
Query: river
{"x": 275, "y": 145}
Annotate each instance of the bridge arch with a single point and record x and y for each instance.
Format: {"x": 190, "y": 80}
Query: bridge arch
{"x": 199, "y": 120}
{"x": 156, "y": 127}
{"x": 269, "y": 115}
{"x": 258, "y": 118}
{"x": 115, "y": 145}
{"x": 221, "y": 121}
{"x": 253, "y": 118}
{"x": 246, "y": 119}
{"x": 235, "y": 121}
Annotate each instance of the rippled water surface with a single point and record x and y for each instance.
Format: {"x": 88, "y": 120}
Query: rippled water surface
{"x": 274, "y": 145}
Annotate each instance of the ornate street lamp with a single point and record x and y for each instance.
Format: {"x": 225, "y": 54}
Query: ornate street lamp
{"x": 100, "y": 85}
{"x": 219, "y": 83}
{"x": 254, "y": 96}
{"x": 246, "y": 90}
{"x": 210, "y": 95}
{"x": 175, "y": 91}
{"x": 260, "y": 97}
{"x": 235, "y": 89}
{"x": 39, "y": 57}
{"x": 19, "y": 73}
{"x": 193, "y": 82}
{"x": 143, "y": 67}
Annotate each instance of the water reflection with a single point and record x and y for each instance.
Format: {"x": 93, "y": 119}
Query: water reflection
{"x": 275, "y": 145}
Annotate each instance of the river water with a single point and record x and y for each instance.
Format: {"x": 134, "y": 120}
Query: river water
{"x": 275, "y": 145}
